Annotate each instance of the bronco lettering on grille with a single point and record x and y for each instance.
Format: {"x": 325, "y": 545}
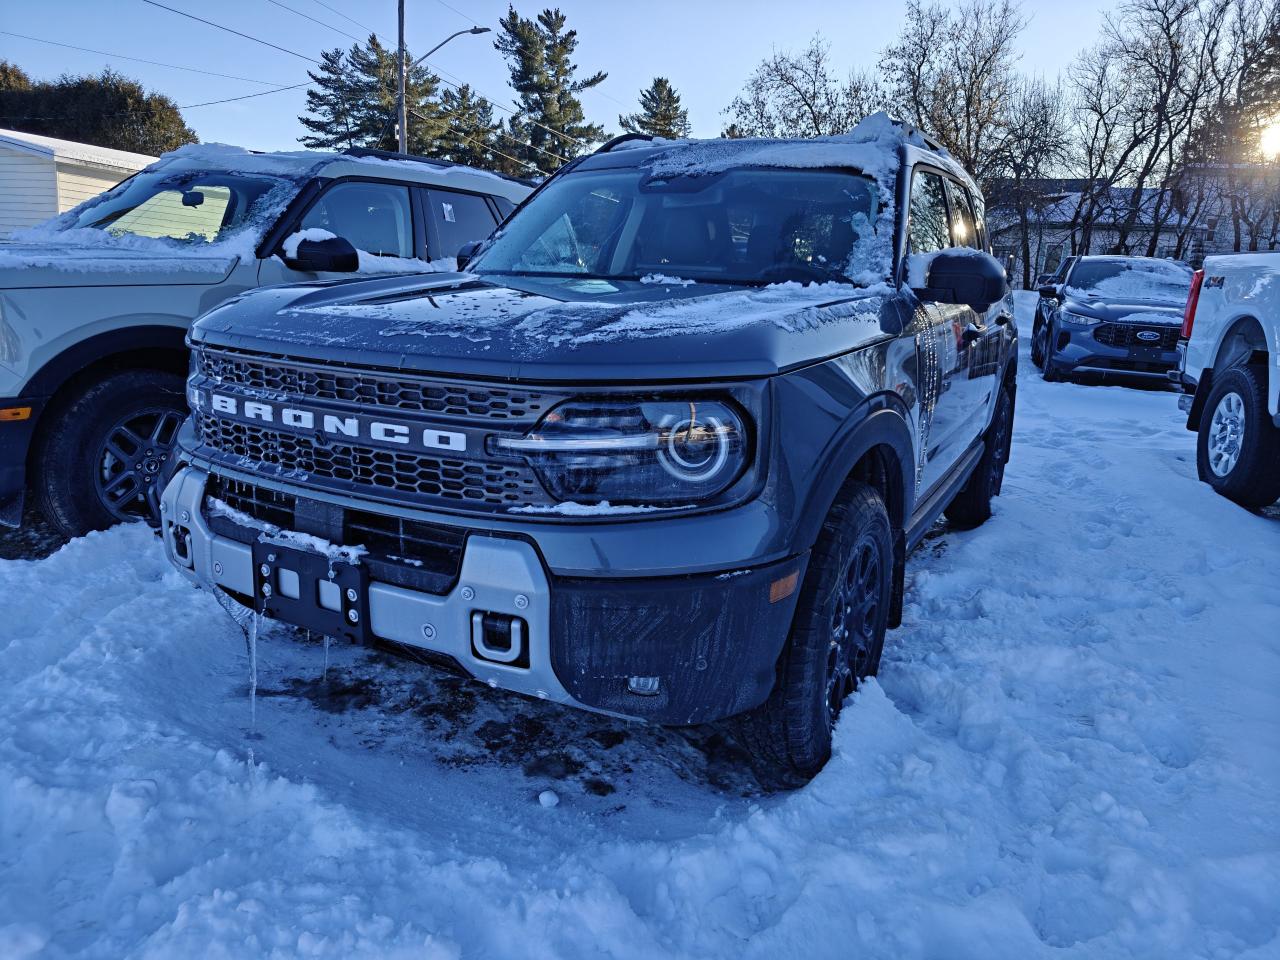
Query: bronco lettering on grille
{"x": 349, "y": 427}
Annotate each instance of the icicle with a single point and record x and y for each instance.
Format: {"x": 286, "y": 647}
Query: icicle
{"x": 326, "y": 658}
{"x": 252, "y": 636}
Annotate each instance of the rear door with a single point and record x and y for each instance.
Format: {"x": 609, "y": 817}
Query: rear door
{"x": 455, "y": 218}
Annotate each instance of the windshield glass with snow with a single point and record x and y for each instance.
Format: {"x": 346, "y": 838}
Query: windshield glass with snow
{"x": 751, "y": 226}
{"x": 194, "y": 207}
{"x": 1155, "y": 280}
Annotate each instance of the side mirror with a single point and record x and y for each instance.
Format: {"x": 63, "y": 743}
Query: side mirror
{"x": 331, "y": 255}
{"x": 964, "y": 275}
{"x": 1050, "y": 291}
{"x": 467, "y": 252}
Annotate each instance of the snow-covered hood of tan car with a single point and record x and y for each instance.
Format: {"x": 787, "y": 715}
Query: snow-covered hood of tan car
{"x": 105, "y": 265}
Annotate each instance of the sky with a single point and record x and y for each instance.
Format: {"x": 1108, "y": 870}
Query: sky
{"x": 707, "y": 48}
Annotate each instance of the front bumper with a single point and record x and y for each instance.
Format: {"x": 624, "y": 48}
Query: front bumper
{"x": 673, "y": 649}
{"x": 1113, "y": 348}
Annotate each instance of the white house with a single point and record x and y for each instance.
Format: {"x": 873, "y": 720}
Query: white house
{"x": 41, "y": 177}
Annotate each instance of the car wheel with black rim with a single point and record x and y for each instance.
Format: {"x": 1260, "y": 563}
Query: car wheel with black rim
{"x": 1238, "y": 447}
{"x": 972, "y": 505}
{"x": 104, "y": 455}
{"x": 835, "y": 641}
{"x": 1037, "y": 344}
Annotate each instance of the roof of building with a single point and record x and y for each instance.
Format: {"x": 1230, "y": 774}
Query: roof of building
{"x": 71, "y": 150}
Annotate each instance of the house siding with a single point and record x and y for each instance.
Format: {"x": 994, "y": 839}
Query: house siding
{"x": 28, "y": 190}
{"x": 78, "y": 182}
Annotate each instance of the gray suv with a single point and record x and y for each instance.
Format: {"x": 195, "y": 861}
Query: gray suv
{"x": 95, "y": 304}
{"x": 662, "y": 452}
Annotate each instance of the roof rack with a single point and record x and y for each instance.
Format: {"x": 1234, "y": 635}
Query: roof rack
{"x": 620, "y": 139}
{"x": 932, "y": 142}
{"x": 429, "y": 161}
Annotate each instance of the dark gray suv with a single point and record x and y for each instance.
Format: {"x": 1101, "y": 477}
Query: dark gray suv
{"x": 662, "y": 452}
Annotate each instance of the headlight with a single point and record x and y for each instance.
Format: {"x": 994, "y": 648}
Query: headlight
{"x": 1079, "y": 318}
{"x": 670, "y": 452}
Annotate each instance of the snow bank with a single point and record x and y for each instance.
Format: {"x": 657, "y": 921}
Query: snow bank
{"x": 1073, "y": 751}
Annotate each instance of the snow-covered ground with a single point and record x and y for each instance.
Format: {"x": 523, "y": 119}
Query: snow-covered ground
{"x": 1073, "y": 750}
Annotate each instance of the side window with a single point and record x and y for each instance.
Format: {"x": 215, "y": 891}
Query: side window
{"x": 505, "y": 206}
{"x": 964, "y": 231}
{"x": 459, "y": 218}
{"x": 980, "y": 217}
{"x": 927, "y": 229}
{"x": 374, "y": 217}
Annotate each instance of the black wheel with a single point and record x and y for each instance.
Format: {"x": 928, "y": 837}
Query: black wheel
{"x": 105, "y": 451}
{"x": 972, "y": 505}
{"x": 1238, "y": 448}
{"x": 1037, "y": 344}
{"x": 1047, "y": 369}
{"x": 835, "y": 642}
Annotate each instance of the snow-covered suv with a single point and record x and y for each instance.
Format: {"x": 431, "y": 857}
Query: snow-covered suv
{"x": 1229, "y": 368}
{"x": 95, "y": 304}
{"x": 663, "y": 453}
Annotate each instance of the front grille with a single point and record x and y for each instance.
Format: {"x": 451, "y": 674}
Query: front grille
{"x": 1126, "y": 335}
{"x": 397, "y": 391}
{"x": 343, "y": 466}
{"x": 261, "y": 503}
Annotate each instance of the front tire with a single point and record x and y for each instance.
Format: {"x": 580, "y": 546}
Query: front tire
{"x": 836, "y": 640}
{"x": 104, "y": 453}
{"x": 1238, "y": 447}
{"x": 972, "y": 505}
{"x": 1037, "y": 345}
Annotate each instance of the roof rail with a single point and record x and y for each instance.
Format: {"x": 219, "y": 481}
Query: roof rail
{"x": 620, "y": 139}
{"x": 429, "y": 161}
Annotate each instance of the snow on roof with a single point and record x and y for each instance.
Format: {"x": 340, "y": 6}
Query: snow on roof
{"x": 71, "y": 150}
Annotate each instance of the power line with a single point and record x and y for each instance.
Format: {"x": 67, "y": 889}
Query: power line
{"x": 500, "y": 133}
{"x": 345, "y": 17}
{"x": 121, "y": 56}
{"x": 494, "y": 103}
{"x": 484, "y": 146}
{"x": 458, "y": 12}
{"x": 265, "y": 43}
{"x": 306, "y": 16}
{"x": 247, "y": 96}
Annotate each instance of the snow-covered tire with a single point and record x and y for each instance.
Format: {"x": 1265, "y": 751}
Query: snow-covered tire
{"x": 89, "y": 473}
{"x": 972, "y": 505}
{"x": 1238, "y": 447}
{"x": 836, "y": 640}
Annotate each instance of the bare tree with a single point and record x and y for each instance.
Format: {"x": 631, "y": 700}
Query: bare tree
{"x": 953, "y": 74}
{"x": 800, "y": 95}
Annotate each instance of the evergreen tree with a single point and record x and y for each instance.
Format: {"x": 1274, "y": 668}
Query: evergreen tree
{"x": 354, "y": 101}
{"x": 540, "y": 57}
{"x": 108, "y": 110}
{"x": 331, "y": 105}
{"x": 471, "y": 134}
{"x": 660, "y": 112}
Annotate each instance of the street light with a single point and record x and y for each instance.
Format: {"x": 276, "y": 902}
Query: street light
{"x": 401, "y": 105}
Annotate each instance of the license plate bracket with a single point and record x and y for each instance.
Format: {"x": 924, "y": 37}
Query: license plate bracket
{"x": 275, "y": 568}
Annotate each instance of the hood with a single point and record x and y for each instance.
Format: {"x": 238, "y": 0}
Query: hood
{"x": 1120, "y": 311}
{"x": 557, "y": 329}
{"x": 106, "y": 265}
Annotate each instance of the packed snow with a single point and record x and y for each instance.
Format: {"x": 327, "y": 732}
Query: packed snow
{"x": 1072, "y": 751}
{"x": 371, "y": 263}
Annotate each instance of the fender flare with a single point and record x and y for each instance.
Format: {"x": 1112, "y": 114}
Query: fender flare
{"x": 58, "y": 370}
{"x": 882, "y": 420}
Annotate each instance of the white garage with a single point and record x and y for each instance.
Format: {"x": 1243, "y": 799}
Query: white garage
{"x": 43, "y": 176}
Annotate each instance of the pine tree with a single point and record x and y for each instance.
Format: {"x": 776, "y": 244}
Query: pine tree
{"x": 660, "y": 112}
{"x": 355, "y": 103}
{"x": 13, "y": 77}
{"x": 331, "y": 108}
{"x": 539, "y": 55}
{"x": 471, "y": 135}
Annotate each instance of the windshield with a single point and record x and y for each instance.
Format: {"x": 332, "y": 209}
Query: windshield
{"x": 191, "y": 206}
{"x": 749, "y": 226}
{"x": 1135, "y": 279}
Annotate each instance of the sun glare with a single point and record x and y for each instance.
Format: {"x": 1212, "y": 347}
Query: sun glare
{"x": 1269, "y": 142}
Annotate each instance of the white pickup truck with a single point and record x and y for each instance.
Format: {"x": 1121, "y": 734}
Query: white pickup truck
{"x": 1229, "y": 369}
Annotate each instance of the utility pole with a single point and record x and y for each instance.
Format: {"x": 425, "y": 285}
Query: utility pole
{"x": 402, "y": 107}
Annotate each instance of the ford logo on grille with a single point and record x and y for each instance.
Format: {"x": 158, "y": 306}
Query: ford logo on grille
{"x": 1148, "y": 335}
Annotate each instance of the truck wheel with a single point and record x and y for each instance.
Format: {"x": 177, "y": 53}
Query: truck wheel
{"x": 1238, "y": 448}
{"x": 835, "y": 642}
{"x": 103, "y": 453}
{"x": 972, "y": 505}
